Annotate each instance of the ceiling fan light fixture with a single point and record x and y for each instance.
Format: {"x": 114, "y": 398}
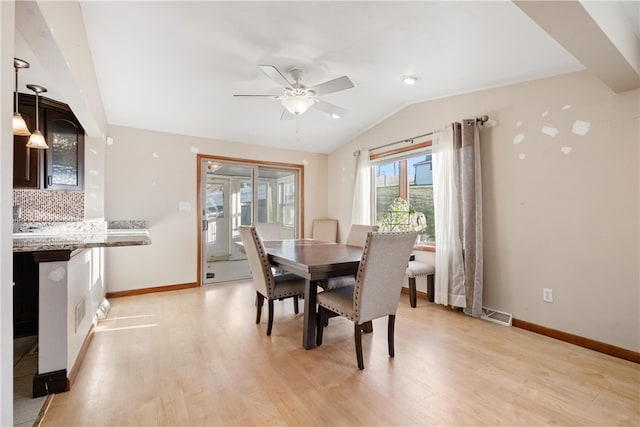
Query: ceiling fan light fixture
{"x": 410, "y": 80}
{"x": 297, "y": 104}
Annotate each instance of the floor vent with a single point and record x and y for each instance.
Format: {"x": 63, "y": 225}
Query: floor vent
{"x": 103, "y": 309}
{"x": 81, "y": 311}
{"x": 496, "y": 316}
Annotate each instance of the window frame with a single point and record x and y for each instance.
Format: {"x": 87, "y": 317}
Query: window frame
{"x": 403, "y": 181}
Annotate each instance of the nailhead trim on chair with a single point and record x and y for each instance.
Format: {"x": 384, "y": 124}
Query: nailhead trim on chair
{"x": 340, "y": 312}
{"x": 264, "y": 259}
{"x": 420, "y": 269}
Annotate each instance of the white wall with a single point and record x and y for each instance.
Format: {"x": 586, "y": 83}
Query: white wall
{"x": 84, "y": 283}
{"x": 150, "y": 173}
{"x": 563, "y": 221}
{"x": 94, "y": 164}
{"x": 7, "y": 31}
{"x": 64, "y": 286}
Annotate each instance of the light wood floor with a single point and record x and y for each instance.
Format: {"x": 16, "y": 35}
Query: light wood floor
{"x": 196, "y": 357}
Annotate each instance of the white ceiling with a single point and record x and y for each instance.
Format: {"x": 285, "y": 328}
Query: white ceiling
{"x": 174, "y": 66}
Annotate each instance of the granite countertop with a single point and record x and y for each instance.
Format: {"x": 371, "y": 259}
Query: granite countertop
{"x": 72, "y": 236}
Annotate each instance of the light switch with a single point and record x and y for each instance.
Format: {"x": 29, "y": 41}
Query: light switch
{"x": 184, "y": 206}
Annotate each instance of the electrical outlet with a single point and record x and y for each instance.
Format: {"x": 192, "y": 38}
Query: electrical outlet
{"x": 547, "y": 295}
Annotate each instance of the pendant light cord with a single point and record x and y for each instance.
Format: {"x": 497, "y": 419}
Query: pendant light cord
{"x": 37, "y": 120}
{"x": 15, "y": 97}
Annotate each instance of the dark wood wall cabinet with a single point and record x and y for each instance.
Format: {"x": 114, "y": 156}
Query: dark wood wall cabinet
{"x": 61, "y": 167}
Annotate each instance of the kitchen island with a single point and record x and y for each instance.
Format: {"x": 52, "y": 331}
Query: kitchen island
{"x": 61, "y": 267}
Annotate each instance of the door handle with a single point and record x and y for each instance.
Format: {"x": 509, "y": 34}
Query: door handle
{"x": 205, "y": 225}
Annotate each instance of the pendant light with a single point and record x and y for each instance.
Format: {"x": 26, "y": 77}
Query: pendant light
{"x": 37, "y": 139}
{"x": 19, "y": 125}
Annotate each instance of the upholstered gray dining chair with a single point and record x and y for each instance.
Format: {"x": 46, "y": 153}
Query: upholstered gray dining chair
{"x": 377, "y": 288}
{"x": 357, "y": 237}
{"x": 325, "y": 230}
{"x": 267, "y": 285}
{"x": 269, "y": 230}
{"x": 358, "y": 234}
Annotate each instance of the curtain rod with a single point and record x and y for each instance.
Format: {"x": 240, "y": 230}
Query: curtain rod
{"x": 481, "y": 119}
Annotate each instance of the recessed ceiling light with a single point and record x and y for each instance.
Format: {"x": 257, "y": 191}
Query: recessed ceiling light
{"x": 410, "y": 80}
{"x": 335, "y": 116}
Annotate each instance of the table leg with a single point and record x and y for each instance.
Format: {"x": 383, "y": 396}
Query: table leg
{"x": 309, "y": 328}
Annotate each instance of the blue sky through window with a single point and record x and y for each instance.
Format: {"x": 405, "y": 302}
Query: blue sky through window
{"x": 392, "y": 169}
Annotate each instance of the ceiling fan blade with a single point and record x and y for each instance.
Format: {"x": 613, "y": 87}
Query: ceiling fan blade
{"x": 261, "y": 96}
{"x": 331, "y": 109}
{"x": 335, "y": 85}
{"x": 274, "y": 74}
{"x": 286, "y": 115}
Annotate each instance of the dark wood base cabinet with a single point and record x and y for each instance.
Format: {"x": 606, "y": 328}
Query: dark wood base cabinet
{"x": 25, "y": 295}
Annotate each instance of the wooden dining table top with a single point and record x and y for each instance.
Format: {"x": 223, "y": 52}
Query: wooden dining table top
{"x": 314, "y": 259}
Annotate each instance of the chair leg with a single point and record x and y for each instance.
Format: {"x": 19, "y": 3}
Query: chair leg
{"x": 295, "y": 304}
{"x": 321, "y": 318}
{"x": 358, "y": 337}
{"x": 390, "y": 332}
{"x": 367, "y": 327}
{"x": 412, "y": 291}
{"x": 328, "y": 314}
{"x": 259, "y": 302}
{"x": 430, "y": 287}
{"x": 270, "y": 324}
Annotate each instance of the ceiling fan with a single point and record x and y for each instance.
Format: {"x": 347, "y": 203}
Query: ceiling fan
{"x": 298, "y": 98}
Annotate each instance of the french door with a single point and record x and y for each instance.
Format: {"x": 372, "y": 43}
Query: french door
{"x": 236, "y": 192}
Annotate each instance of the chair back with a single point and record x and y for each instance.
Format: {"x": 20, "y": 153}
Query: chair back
{"x": 258, "y": 260}
{"x": 269, "y": 230}
{"x": 358, "y": 234}
{"x": 381, "y": 274}
{"x": 325, "y": 230}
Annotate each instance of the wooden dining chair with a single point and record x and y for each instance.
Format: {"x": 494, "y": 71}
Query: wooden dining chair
{"x": 268, "y": 286}
{"x": 376, "y": 291}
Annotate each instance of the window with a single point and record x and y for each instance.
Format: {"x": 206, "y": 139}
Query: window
{"x": 287, "y": 202}
{"x": 409, "y": 177}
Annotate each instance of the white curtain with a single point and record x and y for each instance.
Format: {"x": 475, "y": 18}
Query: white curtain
{"x": 361, "y": 210}
{"x": 457, "y": 189}
{"x": 449, "y": 278}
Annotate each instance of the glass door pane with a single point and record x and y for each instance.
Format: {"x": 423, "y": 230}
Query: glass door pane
{"x": 228, "y": 201}
{"x": 277, "y": 197}
{"x": 234, "y": 194}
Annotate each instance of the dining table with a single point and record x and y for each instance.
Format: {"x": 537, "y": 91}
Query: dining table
{"x": 314, "y": 260}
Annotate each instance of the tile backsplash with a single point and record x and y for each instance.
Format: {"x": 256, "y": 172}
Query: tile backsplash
{"x": 48, "y": 206}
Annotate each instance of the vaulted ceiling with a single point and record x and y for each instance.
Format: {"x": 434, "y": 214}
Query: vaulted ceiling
{"x": 175, "y": 66}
